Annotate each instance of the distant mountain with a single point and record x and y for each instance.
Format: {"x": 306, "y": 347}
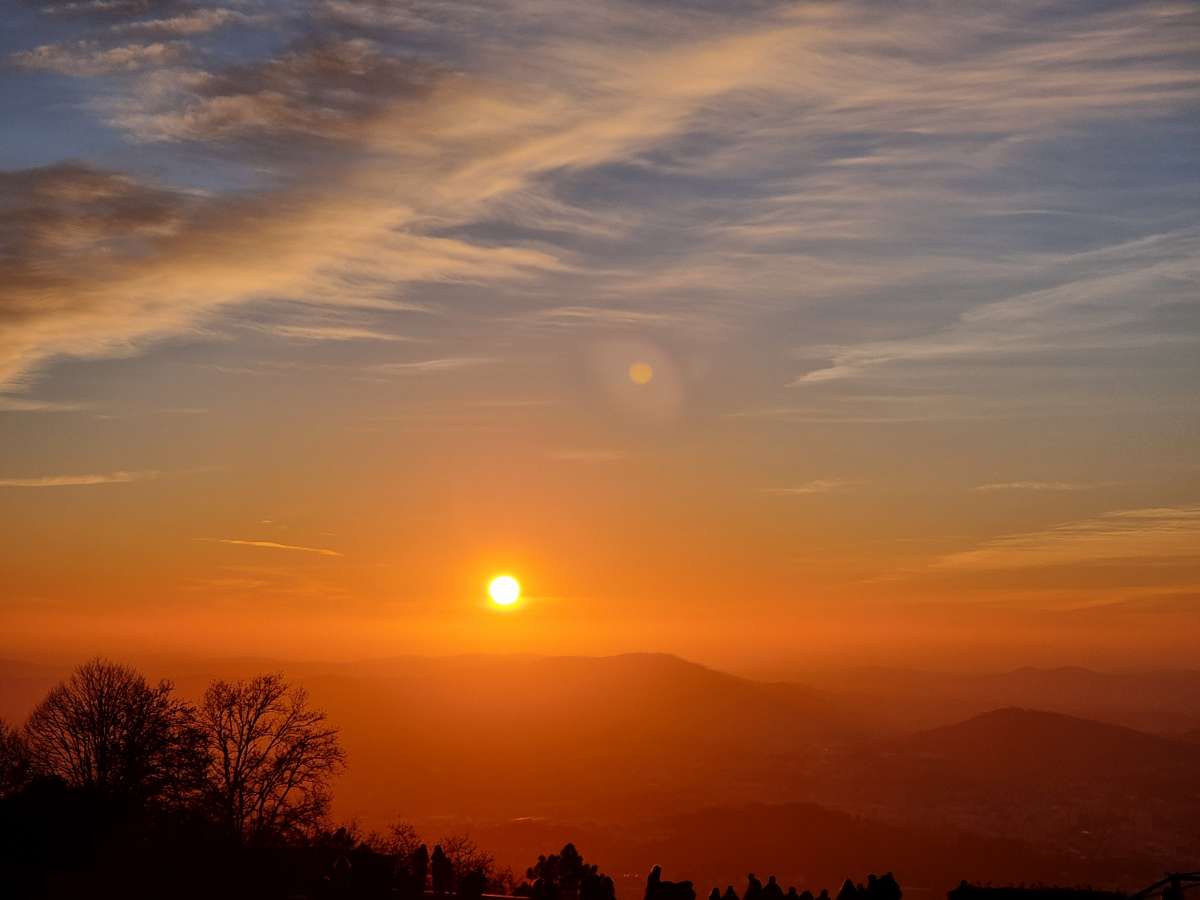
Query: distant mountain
{"x": 608, "y": 737}
{"x": 1160, "y": 702}
{"x": 641, "y": 738}
{"x": 1091, "y": 789}
{"x": 1029, "y": 745}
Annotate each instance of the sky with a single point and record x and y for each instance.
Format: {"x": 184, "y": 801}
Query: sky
{"x": 776, "y": 335}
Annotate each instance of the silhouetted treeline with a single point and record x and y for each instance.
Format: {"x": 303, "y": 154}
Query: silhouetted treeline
{"x": 883, "y": 887}
{"x": 116, "y": 785}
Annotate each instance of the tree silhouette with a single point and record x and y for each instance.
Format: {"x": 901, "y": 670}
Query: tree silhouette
{"x": 14, "y": 760}
{"x": 270, "y": 757}
{"x": 466, "y": 858}
{"x": 106, "y": 729}
{"x": 565, "y": 876}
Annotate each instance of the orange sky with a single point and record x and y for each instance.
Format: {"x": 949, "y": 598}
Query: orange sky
{"x": 304, "y": 338}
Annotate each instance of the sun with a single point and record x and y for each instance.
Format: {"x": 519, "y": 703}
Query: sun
{"x": 504, "y": 590}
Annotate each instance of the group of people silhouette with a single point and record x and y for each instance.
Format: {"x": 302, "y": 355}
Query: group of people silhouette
{"x": 878, "y": 887}
{"x": 414, "y": 876}
{"x": 437, "y": 867}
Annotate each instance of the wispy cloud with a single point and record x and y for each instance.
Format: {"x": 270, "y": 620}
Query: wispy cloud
{"x": 274, "y": 545}
{"x": 588, "y": 456}
{"x": 198, "y": 21}
{"x": 604, "y": 316}
{"x": 1145, "y": 535}
{"x": 45, "y": 481}
{"x": 1040, "y": 486}
{"x": 87, "y": 58}
{"x": 9, "y": 403}
{"x": 333, "y": 333}
{"x": 1106, "y": 301}
{"x": 812, "y": 135}
{"x": 430, "y": 366}
{"x": 817, "y": 486}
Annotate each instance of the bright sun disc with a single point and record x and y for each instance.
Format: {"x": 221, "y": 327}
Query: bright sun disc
{"x": 504, "y": 590}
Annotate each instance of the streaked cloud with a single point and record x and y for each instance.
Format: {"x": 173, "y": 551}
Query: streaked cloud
{"x": 332, "y": 333}
{"x": 384, "y": 167}
{"x": 274, "y": 545}
{"x": 50, "y": 481}
{"x": 1039, "y": 486}
{"x": 430, "y": 366}
{"x": 1145, "y": 535}
{"x": 198, "y": 21}
{"x": 1107, "y": 302}
{"x": 86, "y": 58}
{"x": 604, "y": 316}
{"x": 817, "y": 486}
{"x": 589, "y": 456}
{"x": 9, "y": 403}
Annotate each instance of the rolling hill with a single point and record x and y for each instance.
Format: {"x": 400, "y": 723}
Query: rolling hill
{"x": 638, "y": 743}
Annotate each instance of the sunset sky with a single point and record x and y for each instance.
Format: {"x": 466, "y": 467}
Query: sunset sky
{"x": 770, "y": 334}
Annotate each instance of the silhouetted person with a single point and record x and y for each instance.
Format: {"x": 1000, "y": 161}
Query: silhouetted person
{"x": 473, "y": 884}
{"x": 439, "y": 867}
{"x": 824, "y": 895}
{"x": 341, "y": 875}
{"x": 791, "y": 893}
{"x": 419, "y": 869}
{"x": 730, "y": 893}
{"x": 754, "y": 888}
{"x": 714, "y": 894}
{"x": 849, "y": 891}
{"x": 657, "y": 889}
{"x": 772, "y": 891}
{"x": 806, "y": 894}
{"x": 653, "y": 881}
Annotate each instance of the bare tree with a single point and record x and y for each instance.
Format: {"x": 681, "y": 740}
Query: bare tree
{"x": 467, "y": 859}
{"x": 465, "y": 856}
{"x": 107, "y": 729}
{"x": 271, "y": 758}
{"x": 14, "y": 760}
{"x": 400, "y": 841}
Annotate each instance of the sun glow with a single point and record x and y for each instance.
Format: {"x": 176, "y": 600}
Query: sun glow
{"x": 504, "y": 590}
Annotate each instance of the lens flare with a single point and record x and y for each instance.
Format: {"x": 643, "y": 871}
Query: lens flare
{"x": 641, "y": 373}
